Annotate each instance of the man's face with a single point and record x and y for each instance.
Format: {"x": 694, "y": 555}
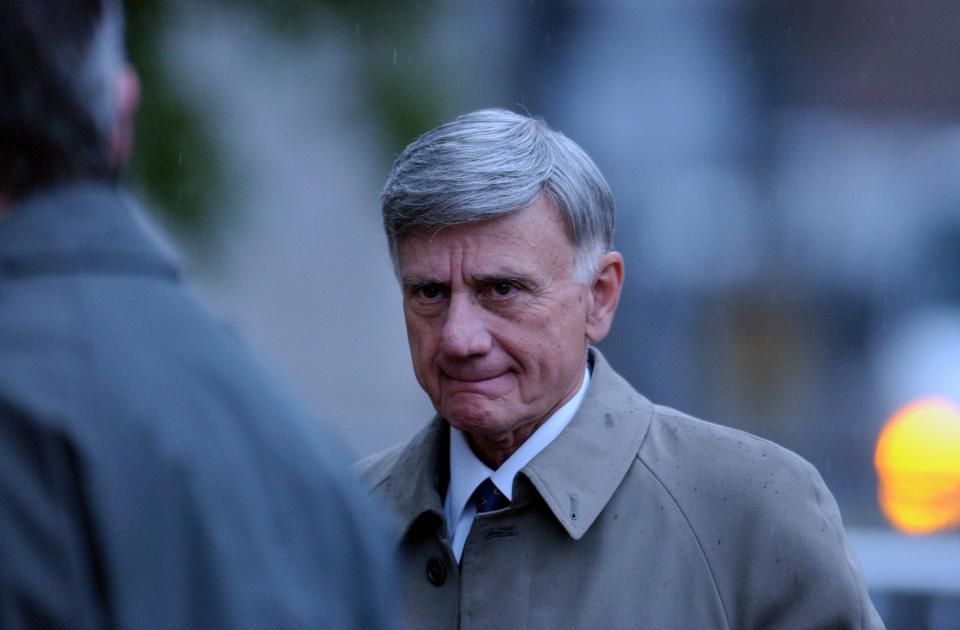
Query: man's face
{"x": 497, "y": 324}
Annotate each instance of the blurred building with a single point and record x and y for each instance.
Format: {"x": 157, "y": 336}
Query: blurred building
{"x": 787, "y": 177}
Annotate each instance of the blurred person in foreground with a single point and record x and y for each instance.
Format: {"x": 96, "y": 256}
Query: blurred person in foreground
{"x": 152, "y": 473}
{"x": 548, "y": 493}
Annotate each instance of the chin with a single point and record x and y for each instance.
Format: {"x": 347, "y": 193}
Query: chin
{"x": 473, "y": 420}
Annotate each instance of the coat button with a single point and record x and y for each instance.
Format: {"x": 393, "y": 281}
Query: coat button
{"x": 436, "y": 571}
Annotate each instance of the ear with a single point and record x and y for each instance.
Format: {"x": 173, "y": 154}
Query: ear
{"x": 127, "y": 95}
{"x": 604, "y": 296}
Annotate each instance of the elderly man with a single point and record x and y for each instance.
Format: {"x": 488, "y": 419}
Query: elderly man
{"x": 548, "y": 493}
{"x": 153, "y": 474}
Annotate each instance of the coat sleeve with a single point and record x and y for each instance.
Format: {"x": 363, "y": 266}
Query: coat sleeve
{"x": 841, "y": 555}
{"x": 48, "y": 575}
{"x": 819, "y": 582}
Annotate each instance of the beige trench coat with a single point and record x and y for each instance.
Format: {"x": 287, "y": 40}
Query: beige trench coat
{"x": 636, "y": 516}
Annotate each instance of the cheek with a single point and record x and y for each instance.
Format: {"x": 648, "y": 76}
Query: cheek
{"x": 560, "y": 344}
{"x": 422, "y": 341}
{"x": 535, "y": 349}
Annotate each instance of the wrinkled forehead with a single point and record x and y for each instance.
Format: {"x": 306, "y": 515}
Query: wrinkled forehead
{"x": 432, "y": 220}
{"x": 525, "y": 241}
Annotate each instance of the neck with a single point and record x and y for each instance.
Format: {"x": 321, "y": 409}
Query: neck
{"x": 494, "y": 450}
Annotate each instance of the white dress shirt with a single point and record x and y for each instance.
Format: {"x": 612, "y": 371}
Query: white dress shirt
{"x": 467, "y": 471}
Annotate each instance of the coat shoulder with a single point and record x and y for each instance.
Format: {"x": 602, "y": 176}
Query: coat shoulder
{"x": 374, "y": 469}
{"x": 685, "y": 451}
{"x": 754, "y": 506}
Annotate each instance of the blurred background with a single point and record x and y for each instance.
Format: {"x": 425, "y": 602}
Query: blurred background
{"x": 787, "y": 177}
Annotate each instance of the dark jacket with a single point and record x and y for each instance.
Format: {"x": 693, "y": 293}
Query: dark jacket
{"x": 152, "y": 473}
{"x": 635, "y": 516}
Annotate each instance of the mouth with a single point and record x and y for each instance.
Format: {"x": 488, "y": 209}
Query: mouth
{"x": 483, "y": 383}
{"x": 471, "y": 378}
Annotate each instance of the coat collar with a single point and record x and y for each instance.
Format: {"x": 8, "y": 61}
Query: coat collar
{"x": 413, "y": 478}
{"x": 576, "y": 474}
{"x": 80, "y": 227}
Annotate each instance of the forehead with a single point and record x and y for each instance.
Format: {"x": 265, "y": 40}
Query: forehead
{"x": 534, "y": 238}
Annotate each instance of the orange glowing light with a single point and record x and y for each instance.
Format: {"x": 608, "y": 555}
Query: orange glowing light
{"x": 918, "y": 463}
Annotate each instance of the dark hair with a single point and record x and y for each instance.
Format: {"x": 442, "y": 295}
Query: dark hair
{"x": 58, "y": 59}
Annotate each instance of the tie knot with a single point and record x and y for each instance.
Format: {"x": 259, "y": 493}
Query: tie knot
{"x": 488, "y": 498}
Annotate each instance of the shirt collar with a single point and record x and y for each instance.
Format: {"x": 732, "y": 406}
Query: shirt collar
{"x": 467, "y": 471}
{"x": 575, "y": 475}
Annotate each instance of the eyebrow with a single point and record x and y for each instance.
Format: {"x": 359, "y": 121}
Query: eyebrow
{"x": 503, "y": 277}
{"x": 413, "y": 280}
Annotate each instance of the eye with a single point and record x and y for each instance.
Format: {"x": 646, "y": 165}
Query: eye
{"x": 428, "y": 292}
{"x": 502, "y": 289}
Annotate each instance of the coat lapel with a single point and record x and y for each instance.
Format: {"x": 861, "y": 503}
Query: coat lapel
{"x": 414, "y": 480}
{"x": 577, "y": 474}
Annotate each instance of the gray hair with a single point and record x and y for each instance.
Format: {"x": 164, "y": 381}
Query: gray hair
{"x": 490, "y": 163}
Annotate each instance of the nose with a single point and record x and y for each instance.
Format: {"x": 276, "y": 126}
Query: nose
{"x": 464, "y": 333}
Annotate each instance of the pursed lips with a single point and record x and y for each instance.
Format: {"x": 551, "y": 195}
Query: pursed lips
{"x": 468, "y": 382}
